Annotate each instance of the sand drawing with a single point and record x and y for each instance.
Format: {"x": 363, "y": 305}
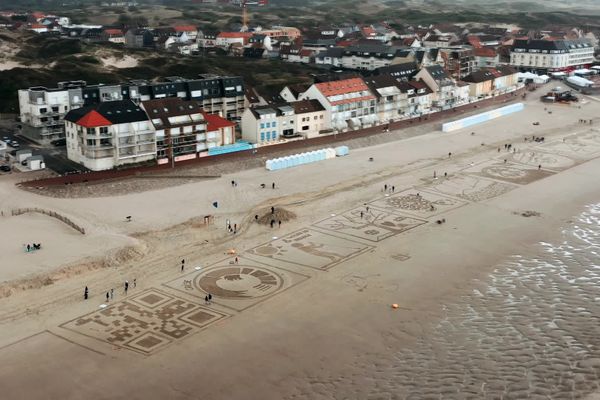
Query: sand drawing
{"x": 146, "y": 322}
{"x": 372, "y": 224}
{"x": 418, "y": 203}
{"x": 308, "y": 247}
{"x": 237, "y": 286}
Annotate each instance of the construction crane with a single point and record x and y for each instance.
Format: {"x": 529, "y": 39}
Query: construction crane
{"x": 244, "y": 5}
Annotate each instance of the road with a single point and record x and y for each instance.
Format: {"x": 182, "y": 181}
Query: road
{"x": 55, "y": 157}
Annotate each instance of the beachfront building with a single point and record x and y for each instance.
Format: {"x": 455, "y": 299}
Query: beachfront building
{"x": 491, "y": 81}
{"x": 268, "y": 124}
{"x": 349, "y": 102}
{"x": 180, "y": 128}
{"x": 368, "y": 57}
{"x": 391, "y": 101}
{"x": 42, "y": 109}
{"x": 543, "y": 56}
{"x": 109, "y": 134}
{"x": 441, "y": 85}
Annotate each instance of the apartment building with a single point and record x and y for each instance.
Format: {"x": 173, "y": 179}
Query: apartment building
{"x": 267, "y": 124}
{"x": 551, "y": 55}
{"x": 109, "y": 134}
{"x": 441, "y": 85}
{"x": 391, "y": 101}
{"x": 42, "y": 109}
{"x": 180, "y": 128}
{"x": 459, "y": 62}
{"x": 368, "y": 57}
{"x": 349, "y": 102}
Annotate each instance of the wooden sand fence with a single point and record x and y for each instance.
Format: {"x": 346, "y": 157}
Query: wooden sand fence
{"x": 52, "y": 214}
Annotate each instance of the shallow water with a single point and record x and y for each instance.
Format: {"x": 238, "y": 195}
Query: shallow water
{"x": 531, "y": 330}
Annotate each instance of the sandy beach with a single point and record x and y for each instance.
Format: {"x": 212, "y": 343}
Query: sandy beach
{"x": 305, "y": 311}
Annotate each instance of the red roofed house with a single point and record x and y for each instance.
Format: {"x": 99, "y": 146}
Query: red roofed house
{"x": 113, "y": 36}
{"x": 486, "y": 57}
{"x": 109, "y": 134}
{"x": 39, "y": 28}
{"x": 190, "y": 30}
{"x": 349, "y": 102}
{"x": 219, "y": 131}
{"x": 226, "y": 39}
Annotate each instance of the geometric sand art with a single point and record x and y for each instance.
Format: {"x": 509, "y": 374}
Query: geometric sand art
{"x": 418, "y": 203}
{"x": 309, "y": 248}
{"x": 373, "y": 225}
{"x": 237, "y": 286}
{"x": 469, "y": 187}
{"x": 146, "y": 322}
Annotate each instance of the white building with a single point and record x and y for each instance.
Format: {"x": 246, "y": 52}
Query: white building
{"x": 109, "y": 134}
{"x": 349, "y": 102}
{"x": 305, "y": 118}
{"x": 551, "y": 55}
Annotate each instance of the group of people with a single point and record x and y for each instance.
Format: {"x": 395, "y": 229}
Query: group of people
{"x": 537, "y": 139}
{"x": 110, "y": 295}
{"x": 389, "y": 188}
{"x": 585, "y": 121}
{"x": 32, "y": 247}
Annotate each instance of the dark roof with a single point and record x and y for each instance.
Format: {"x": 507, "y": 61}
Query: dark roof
{"x": 117, "y": 112}
{"x": 251, "y": 95}
{"x": 380, "y": 82}
{"x": 560, "y": 45}
{"x": 307, "y": 106}
{"x": 399, "y": 70}
{"x": 298, "y": 88}
{"x": 165, "y": 108}
{"x": 437, "y": 72}
{"x": 333, "y": 52}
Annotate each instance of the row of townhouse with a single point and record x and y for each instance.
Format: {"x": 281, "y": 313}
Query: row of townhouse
{"x": 116, "y": 133}
{"x": 42, "y": 109}
{"x": 545, "y": 55}
{"x": 341, "y": 105}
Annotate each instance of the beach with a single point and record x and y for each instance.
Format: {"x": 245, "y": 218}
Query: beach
{"x": 306, "y": 310}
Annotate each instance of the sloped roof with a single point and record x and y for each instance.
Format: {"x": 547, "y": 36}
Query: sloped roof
{"x": 216, "y": 122}
{"x": 111, "y": 112}
{"x": 93, "y": 119}
{"x": 333, "y": 88}
{"x": 186, "y": 28}
{"x": 307, "y": 106}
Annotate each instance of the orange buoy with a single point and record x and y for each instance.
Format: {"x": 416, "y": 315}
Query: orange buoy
{"x": 394, "y": 306}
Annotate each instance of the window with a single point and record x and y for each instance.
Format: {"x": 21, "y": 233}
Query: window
{"x": 90, "y": 142}
{"x": 262, "y": 136}
{"x": 274, "y": 135}
{"x": 43, "y": 110}
{"x": 274, "y": 124}
{"x": 268, "y": 135}
{"x": 104, "y": 130}
{"x": 91, "y": 131}
{"x": 262, "y": 126}
{"x": 268, "y": 125}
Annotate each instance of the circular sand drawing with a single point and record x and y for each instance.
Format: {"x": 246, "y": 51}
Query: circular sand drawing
{"x": 417, "y": 203}
{"x": 239, "y": 282}
{"x": 505, "y": 172}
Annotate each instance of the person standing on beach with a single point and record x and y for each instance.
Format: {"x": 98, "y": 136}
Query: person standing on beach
{"x": 393, "y": 189}
{"x": 272, "y": 223}
{"x": 183, "y": 264}
{"x": 126, "y": 286}
{"x": 273, "y": 185}
{"x": 85, "y": 293}
{"x": 280, "y": 223}
{"x": 205, "y": 299}
{"x": 107, "y": 294}
{"x": 236, "y": 260}
{"x": 361, "y": 215}
{"x": 385, "y": 187}
{"x": 209, "y": 298}
{"x": 134, "y": 282}
{"x": 112, "y": 294}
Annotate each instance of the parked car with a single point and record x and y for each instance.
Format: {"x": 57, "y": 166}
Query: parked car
{"x": 5, "y": 168}
{"x": 16, "y": 145}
